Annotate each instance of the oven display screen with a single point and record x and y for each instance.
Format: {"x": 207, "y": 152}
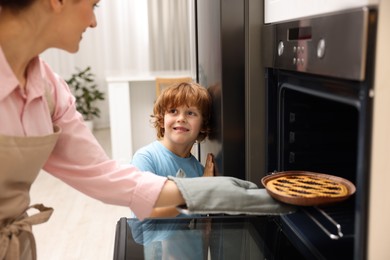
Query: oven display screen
{"x": 299, "y": 33}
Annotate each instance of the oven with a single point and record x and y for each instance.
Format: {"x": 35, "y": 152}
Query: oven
{"x": 319, "y": 85}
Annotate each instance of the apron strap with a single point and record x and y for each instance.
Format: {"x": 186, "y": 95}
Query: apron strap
{"x": 9, "y": 235}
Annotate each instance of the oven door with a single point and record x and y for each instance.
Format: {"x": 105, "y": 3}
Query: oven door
{"x": 215, "y": 237}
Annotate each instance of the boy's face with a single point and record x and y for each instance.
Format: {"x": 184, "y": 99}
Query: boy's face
{"x": 182, "y": 125}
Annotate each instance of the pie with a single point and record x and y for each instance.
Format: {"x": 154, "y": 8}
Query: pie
{"x": 306, "y": 186}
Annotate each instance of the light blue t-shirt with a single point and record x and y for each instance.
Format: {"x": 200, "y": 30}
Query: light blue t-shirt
{"x": 156, "y": 158}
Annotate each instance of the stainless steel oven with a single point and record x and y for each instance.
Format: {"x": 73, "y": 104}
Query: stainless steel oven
{"x": 319, "y": 80}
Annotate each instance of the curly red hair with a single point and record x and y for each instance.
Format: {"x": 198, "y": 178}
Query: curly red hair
{"x": 176, "y": 95}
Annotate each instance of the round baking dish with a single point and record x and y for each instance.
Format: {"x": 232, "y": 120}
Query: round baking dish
{"x": 308, "y": 201}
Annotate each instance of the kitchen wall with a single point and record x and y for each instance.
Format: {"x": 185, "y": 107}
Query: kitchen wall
{"x": 379, "y": 225}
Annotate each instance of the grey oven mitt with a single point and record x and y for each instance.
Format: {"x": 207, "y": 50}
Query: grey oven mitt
{"x": 228, "y": 195}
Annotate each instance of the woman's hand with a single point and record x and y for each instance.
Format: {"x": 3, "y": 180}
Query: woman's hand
{"x": 209, "y": 170}
{"x": 227, "y": 195}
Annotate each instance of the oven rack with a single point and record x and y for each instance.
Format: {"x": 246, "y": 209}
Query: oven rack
{"x": 329, "y": 221}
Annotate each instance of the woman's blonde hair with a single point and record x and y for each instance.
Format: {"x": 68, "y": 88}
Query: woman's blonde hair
{"x": 189, "y": 94}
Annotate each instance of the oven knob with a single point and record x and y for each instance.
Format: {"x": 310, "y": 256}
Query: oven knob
{"x": 321, "y": 48}
{"x": 280, "y": 48}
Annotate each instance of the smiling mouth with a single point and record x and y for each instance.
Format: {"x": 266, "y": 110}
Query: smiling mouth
{"x": 183, "y": 129}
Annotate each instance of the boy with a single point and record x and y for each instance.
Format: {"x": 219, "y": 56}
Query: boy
{"x": 181, "y": 117}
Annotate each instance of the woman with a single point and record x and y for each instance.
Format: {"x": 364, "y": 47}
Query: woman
{"x": 40, "y": 128}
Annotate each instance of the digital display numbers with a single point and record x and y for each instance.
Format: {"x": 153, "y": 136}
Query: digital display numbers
{"x": 299, "y": 33}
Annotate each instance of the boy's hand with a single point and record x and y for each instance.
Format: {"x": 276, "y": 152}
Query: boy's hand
{"x": 209, "y": 170}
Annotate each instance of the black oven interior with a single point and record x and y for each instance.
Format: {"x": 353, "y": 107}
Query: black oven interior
{"x": 317, "y": 134}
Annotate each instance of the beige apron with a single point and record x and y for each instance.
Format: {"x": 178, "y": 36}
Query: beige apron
{"x": 21, "y": 159}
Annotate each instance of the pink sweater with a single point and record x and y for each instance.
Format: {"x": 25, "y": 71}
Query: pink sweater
{"x": 77, "y": 158}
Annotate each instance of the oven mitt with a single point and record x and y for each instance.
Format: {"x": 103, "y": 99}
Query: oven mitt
{"x": 227, "y": 195}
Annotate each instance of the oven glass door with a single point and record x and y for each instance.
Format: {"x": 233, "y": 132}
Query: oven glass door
{"x": 215, "y": 237}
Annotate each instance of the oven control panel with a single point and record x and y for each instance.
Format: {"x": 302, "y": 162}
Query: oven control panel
{"x": 299, "y": 49}
{"x": 332, "y": 45}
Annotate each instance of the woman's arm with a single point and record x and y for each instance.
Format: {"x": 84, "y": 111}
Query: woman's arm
{"x": 170, "y": 189}
{"x": 169, "y": 196}
{"x": 164, "y": 212}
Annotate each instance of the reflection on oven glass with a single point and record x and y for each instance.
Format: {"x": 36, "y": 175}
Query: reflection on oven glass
{"x": 196, "y": 239}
